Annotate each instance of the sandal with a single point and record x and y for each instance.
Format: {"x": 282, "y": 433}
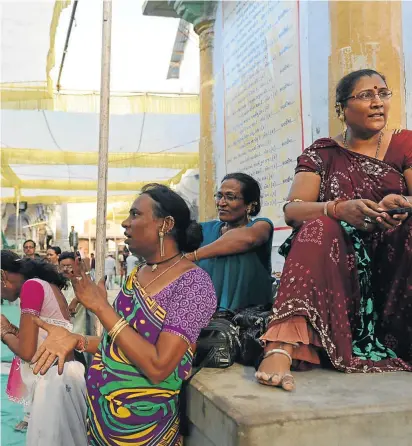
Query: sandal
{"x": 286, "y": 381}
{"x": 22, "y": 426}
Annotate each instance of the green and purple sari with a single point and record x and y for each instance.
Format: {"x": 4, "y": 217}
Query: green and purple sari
{"x": 124, "y": 406}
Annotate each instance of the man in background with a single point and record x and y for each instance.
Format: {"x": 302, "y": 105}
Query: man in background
{"x": 131, "y": 262}
{"x": 49, "y": 236}
{"x": 29, "y": 248}
{"x": 41, "y": 234}
{"x": 109, "y": 271}
{"x": 92, "y": 267}
{"x": 73, "y": 240}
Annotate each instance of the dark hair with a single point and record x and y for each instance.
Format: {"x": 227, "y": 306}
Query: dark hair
{"x": 187, "y": 232}
{"x": 66, "y": 255}
{"x": 347, "y": 83}
{"x": 31, "y": 268}
{"x": 29, "y": 240}
{"x": 56, "y": 249}
{"x": 250, "y": 190}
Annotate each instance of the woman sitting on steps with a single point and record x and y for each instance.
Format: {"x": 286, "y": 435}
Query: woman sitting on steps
{"x": 345, "y": 296}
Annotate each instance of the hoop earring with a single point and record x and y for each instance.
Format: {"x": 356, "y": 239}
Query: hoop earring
{"x": 162, "y": 240}
{"x": 248, "y": 212}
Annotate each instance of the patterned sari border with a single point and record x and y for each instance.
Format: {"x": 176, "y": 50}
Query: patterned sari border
{"x": 298, "y": 306}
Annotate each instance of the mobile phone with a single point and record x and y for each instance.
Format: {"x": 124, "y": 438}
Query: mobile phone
{"x": 397, "y": 211}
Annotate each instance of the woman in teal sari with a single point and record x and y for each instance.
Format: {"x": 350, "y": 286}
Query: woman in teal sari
{"x": 236, "y": 249}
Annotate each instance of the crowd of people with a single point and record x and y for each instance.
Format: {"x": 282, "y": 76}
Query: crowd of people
{"x": 344, "y": 300}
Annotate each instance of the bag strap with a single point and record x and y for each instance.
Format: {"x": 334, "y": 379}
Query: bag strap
{"x": 206, "y": 359}
{"x": 184, "y": 420}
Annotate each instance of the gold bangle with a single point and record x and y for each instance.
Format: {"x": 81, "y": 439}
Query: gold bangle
{"x": 116, "y": 326}
{"x": 195, "y": 255}
{"x": 119, "y": 327}
{"x": 295, "y": 200}
{"x": 118, "y": 331}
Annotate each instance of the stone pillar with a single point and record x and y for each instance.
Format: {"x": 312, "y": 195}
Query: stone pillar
{"x": 207, "y": 171}
{"x": 202, "y": 15}
{"x": 367, "y": 35}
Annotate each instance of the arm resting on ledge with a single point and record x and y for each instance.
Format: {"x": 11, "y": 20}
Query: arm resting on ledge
{"x": 237, "y": 241}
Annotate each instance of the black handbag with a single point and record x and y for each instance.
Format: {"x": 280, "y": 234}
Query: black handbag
{"x": 230, "y": 337}
{"x": 218, "y": 344}
{"x": 252, "y": 323}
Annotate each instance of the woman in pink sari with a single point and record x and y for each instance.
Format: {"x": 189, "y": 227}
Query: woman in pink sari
{"x": 345, "y": 297}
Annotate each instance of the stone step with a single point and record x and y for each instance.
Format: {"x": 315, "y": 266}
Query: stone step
{"x": 329, "y": 408}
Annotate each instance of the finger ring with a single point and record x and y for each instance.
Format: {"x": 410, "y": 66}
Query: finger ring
{"x": 367, "y": 219}
{"x": 87, "y": 273}
{"x": 79, "y": 278}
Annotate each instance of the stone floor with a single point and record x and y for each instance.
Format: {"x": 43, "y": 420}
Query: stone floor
{"x": 228, "y": 408}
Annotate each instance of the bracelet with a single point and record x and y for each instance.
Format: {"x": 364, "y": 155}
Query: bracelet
{"x": 82, "y": 345}
{"x": 11, "y": 329}
{"x": 195, "y": 255}
{"x": 325, "y": 209}
{"x": 405, "y": 198}
{"x": 119, "y": 330}
{"x": 295, "y": 200}
{"x": 336, "y": 202}
{"x": 116, "y": 326}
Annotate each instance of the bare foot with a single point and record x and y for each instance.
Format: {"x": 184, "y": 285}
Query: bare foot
{"x": 22, "y": 426}
{"x": 275, "y": 369}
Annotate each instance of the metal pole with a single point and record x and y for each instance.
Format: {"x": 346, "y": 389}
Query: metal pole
{"x": 103, "y": 145}
{"x": 17, "y": 196}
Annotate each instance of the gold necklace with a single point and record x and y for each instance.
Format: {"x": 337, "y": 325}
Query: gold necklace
{"x": 160, "y": 275}
{"x": 346, "y": 145}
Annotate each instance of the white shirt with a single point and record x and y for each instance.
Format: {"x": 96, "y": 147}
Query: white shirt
{"x": 131, "y": 262}
{"x": 109, "y": 266}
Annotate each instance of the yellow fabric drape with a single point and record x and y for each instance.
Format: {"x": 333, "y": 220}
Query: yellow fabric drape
{"x": 35, "y": 92}
{"x": 59, "y": 5}
{"x": 58, "y": 199}
{"x": 78, "y": 185}
{"x": 16, "y": 97}
{"x": 176, "y": 160}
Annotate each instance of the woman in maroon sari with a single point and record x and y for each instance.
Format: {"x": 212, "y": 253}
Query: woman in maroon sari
{"x": 345, "y": 297}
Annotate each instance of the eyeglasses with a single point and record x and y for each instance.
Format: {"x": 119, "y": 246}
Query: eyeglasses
{"x": 66, "y": 267}
{"x": 370, "y": 95}
{"x": 228, "y": 197}
{"x": 28, "y": 247}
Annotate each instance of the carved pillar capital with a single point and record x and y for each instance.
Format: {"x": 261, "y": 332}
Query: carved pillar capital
{"x": 199, "y": 13}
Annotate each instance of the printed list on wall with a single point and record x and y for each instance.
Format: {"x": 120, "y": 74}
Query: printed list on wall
{"x": 262, "y": 96}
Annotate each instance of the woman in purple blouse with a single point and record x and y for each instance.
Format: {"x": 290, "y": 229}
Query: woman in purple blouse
{"x": 146, "y": 350}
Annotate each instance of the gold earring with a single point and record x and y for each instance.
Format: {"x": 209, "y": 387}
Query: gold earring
{"x": 162, "y": 240}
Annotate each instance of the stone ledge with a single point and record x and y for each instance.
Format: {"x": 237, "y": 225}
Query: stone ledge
{"x": 228, "y": 408}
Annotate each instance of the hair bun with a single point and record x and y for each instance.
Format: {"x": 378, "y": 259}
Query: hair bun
{"x": 193, "y": 237}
